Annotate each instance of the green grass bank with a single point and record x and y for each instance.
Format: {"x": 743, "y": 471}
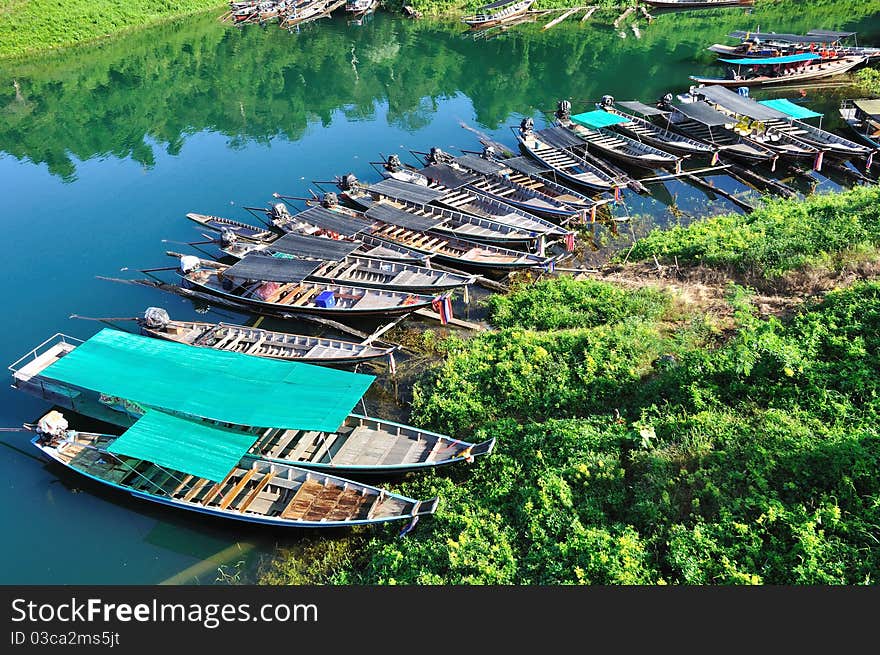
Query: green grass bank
{"x": 31, "y": 26}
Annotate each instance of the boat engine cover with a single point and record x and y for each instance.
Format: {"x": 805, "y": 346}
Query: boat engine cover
{"x": 189, "y": 263}
{"x": 156, "y": 317}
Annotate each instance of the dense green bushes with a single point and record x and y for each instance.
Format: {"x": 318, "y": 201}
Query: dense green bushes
{"x": 781, "y": 236}
{"x": 750, "y": 460}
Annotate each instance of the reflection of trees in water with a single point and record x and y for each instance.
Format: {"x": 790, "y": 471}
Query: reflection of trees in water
{"x": 161, "y": 85}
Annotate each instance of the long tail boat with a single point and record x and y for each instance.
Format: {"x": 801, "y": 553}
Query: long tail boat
{"x": 781, "y": 70}
{"x": 483, "y": 186}
{"x": 591, "y": 128}
{"x": 276, "y": 286}
{"x": 259, "y": 342}
{"x": 306, "y": 11}
{"x": 700, "y": 121}
{"x": 553, "y": 147}
{"x": 497, "y": 13}
{"x": 316, "y": 425}
{"x": 519, "y": 182}
{"x": 232, "y": 231}
{"x": 398, "y": 227}
{"x": 642, "y": 129}
{"x": 463, "y": 210}
{"x": 827, "y": 44}
{"x": 188, "y": 476}
{"x": 775, "y": 120}
{"x": 339, "y": 264}
{"x": 863, "y": 117}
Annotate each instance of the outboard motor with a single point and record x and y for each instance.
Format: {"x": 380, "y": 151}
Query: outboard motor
{"x": 438, "y": 156}
{"x": 526, "y": 125}
{"x": 156, "y": 318}
{"x": 393, "y": 164}
{"x": 665, "y": 102}
{"x": 52, "y": 426}
{"x": 563, "y": 110}
{"x": 606, "y": 101}
{"x": 189, "y": 263}
{"x": 348, "y": 182}
{"x": 279, "y": 212}
{"x": 227, "y": 237}
{"x": 489, "y": 152}
{"x": 329, "y": 200}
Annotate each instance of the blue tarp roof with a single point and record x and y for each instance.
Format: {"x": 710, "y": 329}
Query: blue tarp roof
{"x": 790, "y": 108}
{"x": 598, "y": 118}
{"x": 788, "y": 59}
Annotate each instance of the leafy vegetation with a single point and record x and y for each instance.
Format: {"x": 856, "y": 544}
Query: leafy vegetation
{"x": 651, "y": 450}
{"x": 868, "y": 81}
{"x": 824, "y": 230}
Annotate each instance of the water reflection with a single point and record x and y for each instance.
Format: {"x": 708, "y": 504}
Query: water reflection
{"x": 255, "y": 85}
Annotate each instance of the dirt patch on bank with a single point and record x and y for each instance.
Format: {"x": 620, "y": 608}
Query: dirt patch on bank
{"x": 707, "y": 288}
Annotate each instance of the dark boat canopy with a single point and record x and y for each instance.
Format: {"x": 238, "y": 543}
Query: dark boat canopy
{"x": 738, "y": 104}
{"x": 449, "y": 177}
{"x": 870, "y": 107}
{"x": 703, "y": 113}
{"x": 408, "y": 191}
{"x": 271, "y": 269}
{"x": 497, "y": 5}
{"x": 830, "y": 33}
{"x": 301, "y": 245}
{"x": 400, "y": 218}
{"x": 814, "y": 36}
{"x": 480, "y": 164}
{"x": 525, "y": 165}
{"x": 559, "y": 137}
{"x": 333, "y": 221}
{"x": 641, "y": 108}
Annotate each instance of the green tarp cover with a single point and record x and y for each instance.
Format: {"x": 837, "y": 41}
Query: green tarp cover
{"x": 790, "y": 108}
{"x": 598, "y": 118}
{"x": 223, "y": 386}
{"x": 185, "y": 445}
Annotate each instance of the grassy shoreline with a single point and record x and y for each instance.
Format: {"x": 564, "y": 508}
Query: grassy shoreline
{"x": 40, "y": 27}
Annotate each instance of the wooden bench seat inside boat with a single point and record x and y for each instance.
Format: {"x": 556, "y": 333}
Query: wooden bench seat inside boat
{"x": 313, "y": 502}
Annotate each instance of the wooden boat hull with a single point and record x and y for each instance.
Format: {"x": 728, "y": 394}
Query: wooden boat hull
{"x": 279, "y": 309}
{"x": 391, "y": 448}
{"x": 444, "y": 248}
{"x": 849, "y": 115}
{"x": 264, "y": 239}
{"x": 581, "y": 174}
{"x": 456, "y": 221}
{"x": 811, "y": 72}
{"x": 485, "y": 21}
{"x": 659, "y": 137}
{"x": 288, "y": 347}
{"x": 412, "y": 507}
{"x": 369, "y": 272}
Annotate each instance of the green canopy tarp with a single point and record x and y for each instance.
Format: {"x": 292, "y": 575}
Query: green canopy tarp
{"x": 598, "y": 118}
{"x": 214, "y": 384}
{"x": 185, "y": 445}
{"x": 790, "y": 108}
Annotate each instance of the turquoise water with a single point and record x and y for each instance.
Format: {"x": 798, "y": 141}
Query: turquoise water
{"x": 103, "y": 150}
